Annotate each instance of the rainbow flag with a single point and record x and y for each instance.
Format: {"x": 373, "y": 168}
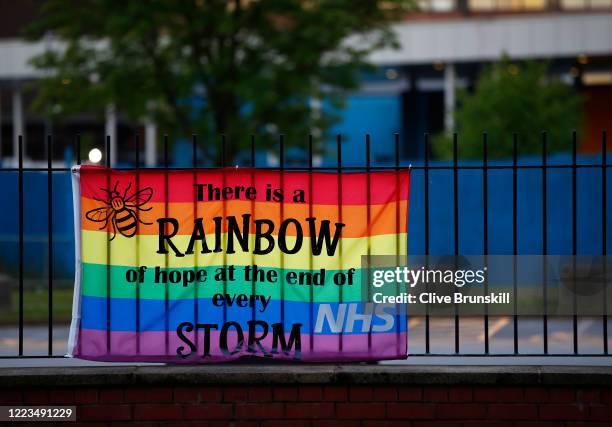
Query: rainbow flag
{"x": 209, "y": 265}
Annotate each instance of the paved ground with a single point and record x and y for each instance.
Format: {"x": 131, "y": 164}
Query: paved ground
{"x": 442, "y": 339}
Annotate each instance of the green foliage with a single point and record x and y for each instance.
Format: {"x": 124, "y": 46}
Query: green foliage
{"x": 513, "y": 98}
{"x": 254, "y": 65}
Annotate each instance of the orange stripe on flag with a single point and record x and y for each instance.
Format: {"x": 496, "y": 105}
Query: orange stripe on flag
{"x": 383, "y": 217}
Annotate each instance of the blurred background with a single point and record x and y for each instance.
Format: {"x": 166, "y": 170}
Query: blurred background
{"x": 409, "y": 82}
{"x": 299, "y": 68}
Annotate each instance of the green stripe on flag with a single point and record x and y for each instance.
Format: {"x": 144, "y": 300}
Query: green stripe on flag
{"x": 94, "y": 283}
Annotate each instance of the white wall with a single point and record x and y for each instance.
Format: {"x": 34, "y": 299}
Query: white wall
{"x": 447, "y": 40}
{"x": 527, "y": 36}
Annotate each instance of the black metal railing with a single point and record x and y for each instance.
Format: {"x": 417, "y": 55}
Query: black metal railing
{"x": 426, "y": 168}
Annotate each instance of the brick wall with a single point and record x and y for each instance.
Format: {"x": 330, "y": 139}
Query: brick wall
{"x": 328, "y": 405}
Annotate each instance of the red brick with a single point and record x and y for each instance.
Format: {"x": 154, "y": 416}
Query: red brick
{"x": 158, "y": 412}
{"x": 484, "y": 394}
{"x": 104, "y": 413}
{"x": 193, "y": 423}
{"x": 361, "y": 410}
{"x": 536, "y": 394}
{"x": 385, "y": 394}
{"x": 410, "y": 411}
{"x": 285, "y": 423}
{"x": 510, "y": 394}
{"x": 310, "y": 410}
{"x": 601, "y": 413}
{"x": 86, "y": 396}
{"x": 135, "y": 395}
{"x": 132, "y": 424}
{"x": 561, "y": 412}
{"x": 211, "y": 394}
{"x": 487, "y": 424}
{"x": 588, "y": 424}
{"x": 208, "y": 411}
{"x": 235, "y": 394}
{"x": 195, "y": 394}
{"x": 513, "y": 412}
{"x": 561, "y": 395}
{"x": 159, "y": 394}
{"x": 434, "y": 394}
{"x": 35, "y": 397}
{"x": 337, "y": 423}
{"x": 335, "y": 393}
{"x": 460, "y": 394}
{"x": 10, "y": 396}
{"x": 187, "y": 394}
{"x": 588, "y": 395}
{"x": 410, "y": 394}
{"x": 260, "y": 394}
{"x": 260, "y": 411}
{"x": 381, "y": 423}
{"x": 62, "y": 397}
{"x": 285, "y": 393}
{"x": 310, "y": 393}
{"x": 111, "y": 395}
{"x": 436, "y": 424}
{"x": 606, "y": 396}
{"x": 536, "y": 424}
{"x": 503, "y": 394}
{"x": 361, "y": 394}
{"x": 464, "y": 411}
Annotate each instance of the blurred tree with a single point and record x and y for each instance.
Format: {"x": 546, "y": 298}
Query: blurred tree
{"x": 514, "y": 97}
{"x": 210, "y": 66}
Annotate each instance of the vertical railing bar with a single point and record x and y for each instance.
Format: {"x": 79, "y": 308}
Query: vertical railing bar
{"x": 108, "y": 250}
{"x": 456, "y": 228}
{"x": 196, "y": 264}
{"x": 166, "y": 257}
{"x": 485, "y": 222}
{"x": 397, "y": 240}
{"x": 340, "y": 245}
{"x": 137, "y": 212}
{"x": 310, "y": 256}
{"x": 544, "y": 243}
{"x": 194, "y": 151}
{"x": 77, "y": 151}
{"x": 252, "y": 205}
{"x": 426, "y": 223}
{"x": 50, "y": 238}
{"x": 77, "y": 154}
{"x": 137, "y": 151}
{"x": 281, "y": 155}
{"x": 224, "y": 211}
{"x": 368, "y": 220}
{"x": 574, "y": 246}
{"x": 20, "y": 189}
{"x": 252, "y": 151}
{"x": 604, "y": 237}
{"x": 223, "y": 149}
{"x": 515, "y": 239}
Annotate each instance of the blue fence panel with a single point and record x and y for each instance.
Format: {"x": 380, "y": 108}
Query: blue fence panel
{"x": 35, "y": 224}
{"x": 500, "y": 214}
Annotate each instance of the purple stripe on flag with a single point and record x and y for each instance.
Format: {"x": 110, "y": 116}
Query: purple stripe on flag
{"x": 93, "y": 346}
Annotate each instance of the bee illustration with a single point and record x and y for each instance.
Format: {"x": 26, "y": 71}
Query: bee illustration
{"x": 120, "y": 210}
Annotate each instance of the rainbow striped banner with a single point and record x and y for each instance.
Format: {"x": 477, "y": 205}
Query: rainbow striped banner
{"x": 208, "y": 265}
